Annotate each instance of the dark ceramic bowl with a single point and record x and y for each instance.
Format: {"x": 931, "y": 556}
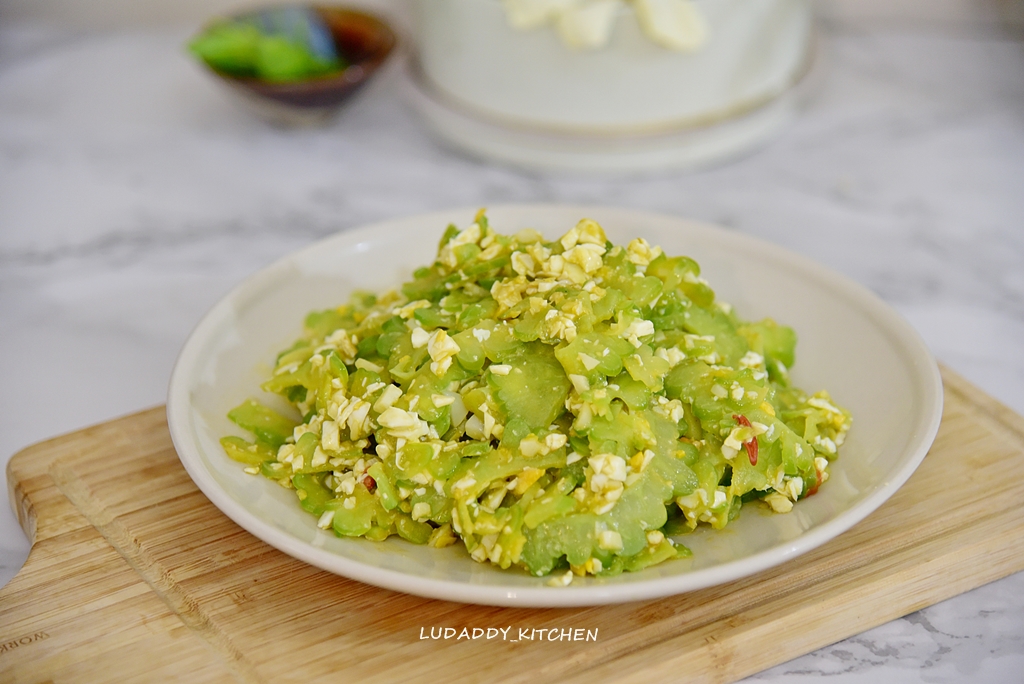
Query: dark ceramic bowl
{"x": 363, "y": 40}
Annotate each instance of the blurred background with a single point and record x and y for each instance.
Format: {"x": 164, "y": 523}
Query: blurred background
{"x": 135, "y": 191}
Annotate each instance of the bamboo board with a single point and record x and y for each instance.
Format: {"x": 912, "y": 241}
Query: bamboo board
{"x": 135, "y": 576}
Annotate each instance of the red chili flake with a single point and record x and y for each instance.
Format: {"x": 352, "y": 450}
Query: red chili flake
{"x": 814, "y": 490}
{"x": 370, "y": 483}
{"x": 751, "y": 444}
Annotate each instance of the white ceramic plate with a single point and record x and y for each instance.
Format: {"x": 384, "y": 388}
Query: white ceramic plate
{"x": 850, "y": 343}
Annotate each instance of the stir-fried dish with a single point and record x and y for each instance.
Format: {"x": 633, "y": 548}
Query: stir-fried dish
{"x": 567, "y": 407}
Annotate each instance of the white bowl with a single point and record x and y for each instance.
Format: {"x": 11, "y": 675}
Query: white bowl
{"x": 467, "y": 54}
{"x": 524, "y": 98}
{"x": 851, "y": 343}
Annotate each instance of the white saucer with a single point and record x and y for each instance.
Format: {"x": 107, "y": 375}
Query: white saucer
{"x": 535, "y": 148}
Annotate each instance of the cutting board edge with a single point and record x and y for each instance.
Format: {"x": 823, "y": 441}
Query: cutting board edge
{"x": 36, "y": 460}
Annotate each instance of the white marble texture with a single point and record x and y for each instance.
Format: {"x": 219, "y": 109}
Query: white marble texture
{"x": 133, "y": 194}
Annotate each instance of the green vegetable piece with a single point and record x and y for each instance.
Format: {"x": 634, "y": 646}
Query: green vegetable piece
{"x": 413, "y": 531}
{"x": 594, "y": 355}
{"x": 414, "y": 458}
{"x": 653, "y": 555}
{"x": 633, "y": 392}
{"x": 477, "y": 312}
{"x": 433, "y": 318}
{"x": 270, "y": 427}
{"x": 323, "y": 323}
{"x": 643, "y": 366}
{"x": 779, "y": 341}
{"x": 445, "y": 463}
{"x": 451, "y": 231}
{"x": 313, "y": 495}
{"x": 430, "y": 286}
{"x": 356, "y": 519}
{"x": 535, "y": 388}
{"x": 298, "y": 354}
{"x": 274, "y": 470}
{"x": 305, "y": 449}
{"x": 471, "y": 352}
{"x": 502, "y": 344}
{"x": 385, "y": 491}
{"x": 284, "y": 383}
{"x": 246, "y": 452}
{"x": 367, "y": 347}
{"x": 551, "y": 506}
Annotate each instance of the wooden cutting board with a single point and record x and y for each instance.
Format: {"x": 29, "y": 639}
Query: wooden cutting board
{"x": 135, "y": 576}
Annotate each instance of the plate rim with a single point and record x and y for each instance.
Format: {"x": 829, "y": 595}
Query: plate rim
{"x": 929, "y": 417}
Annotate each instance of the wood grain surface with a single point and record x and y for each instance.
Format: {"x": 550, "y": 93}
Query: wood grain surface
{"x": 135, "y": 576}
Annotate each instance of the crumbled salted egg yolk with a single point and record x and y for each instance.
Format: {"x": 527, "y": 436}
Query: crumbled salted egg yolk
{"x": 819, "y": 403}
{"x": 526, "y": 478}
{"x": 330, "y": 436}
{"x": 523, "y": 264}
{"x": 579, "y": 382}
{"x": 586, "y": 256}
{"x": 403, "y": 424}
{"x": 441, "y": 348}
{"x": 368, "y": 365}
{"x": 326, "y": 518}
{"x": 606, "y": 479}
{"x": 825, "y": 443}
{"x": 441, "y": 400}
{"x": 531, "y": 445}
{"x": 562, "y": 580}
{"x": 671, "y": 354}
{"x": 690, "y": 341}
{"x": 691, "y": 502}
{"x": 637, "y": 329}
{"x": 611, "y": 466}
{"x": 509, "y": 292}
{"x": 355, "y": 414}
{"x": 752, "y": 360}
{"x": 558, "y": 325}
{"x": 586, "y": 232}
{"x": 483, "y": 426}
{"x": 343, "y": 342}
{"x": 410, "y": 308}
{"x": 419, "y": 338}
{"x": 793, "y": 487}
{"x": 387, "y": 398}
{"x": 421, "y": 511}
{"x": 670, "y": 408}
{"x": 778, "y": 503}
{"x": 640, "y": 252}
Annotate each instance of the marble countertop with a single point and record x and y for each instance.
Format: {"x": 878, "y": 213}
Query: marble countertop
{"x": 134, "y": 194}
